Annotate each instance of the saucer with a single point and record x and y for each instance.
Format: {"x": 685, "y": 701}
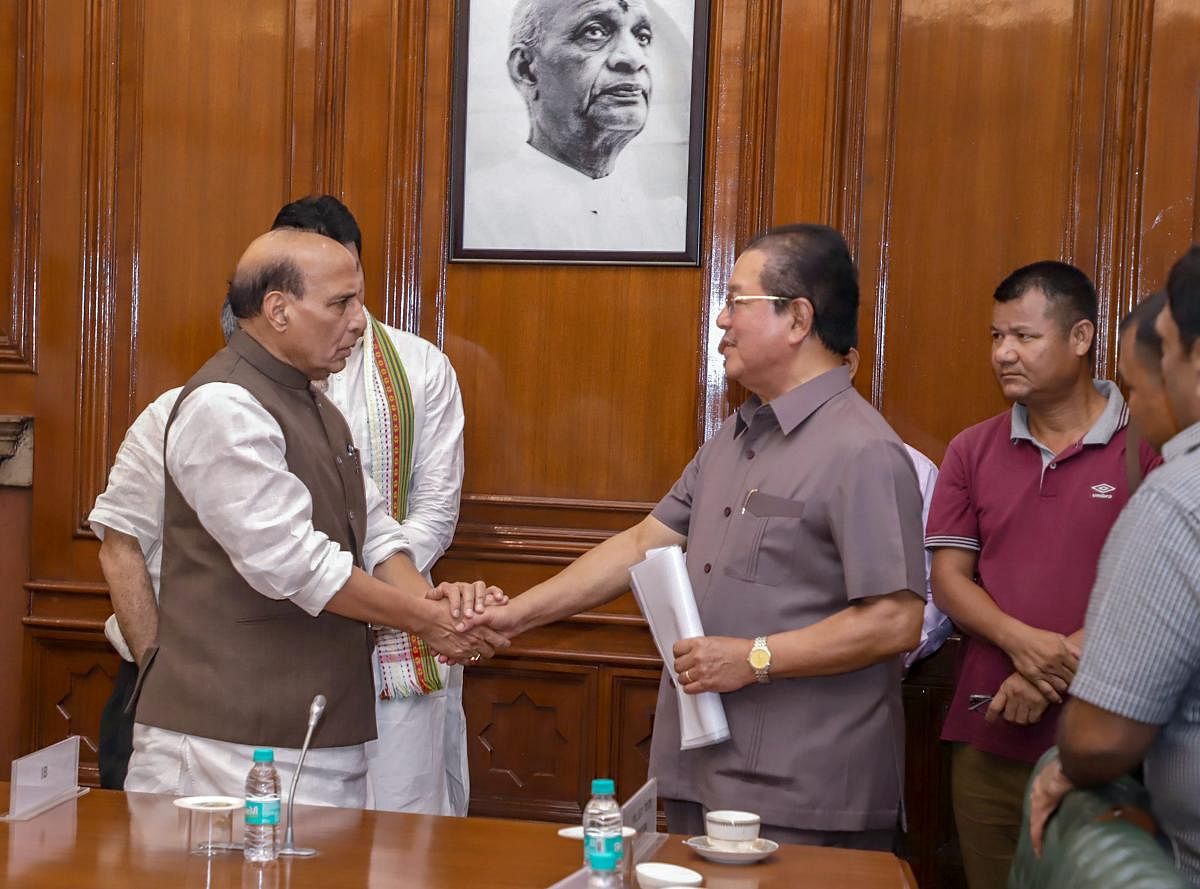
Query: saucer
{"x": 754, "y": 851}
{"x": 575, "y": 832}
{"x": 210, "y": 803}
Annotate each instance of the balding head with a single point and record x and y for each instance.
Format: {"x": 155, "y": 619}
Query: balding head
{"x": 277, "y": 261}
{"x": 299, "y": 294}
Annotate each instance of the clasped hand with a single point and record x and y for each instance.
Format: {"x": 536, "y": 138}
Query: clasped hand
{"x": 1046, "y": 659}
{"x": 712, "y": 663}
{"x": 1018, "y": 700}
{"x": 463, "y": 632}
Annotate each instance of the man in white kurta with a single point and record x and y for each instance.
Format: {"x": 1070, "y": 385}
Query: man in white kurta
{"x": 419, "y": 762}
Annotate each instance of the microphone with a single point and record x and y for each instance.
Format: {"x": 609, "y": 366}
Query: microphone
{"x": 315, "y": 709}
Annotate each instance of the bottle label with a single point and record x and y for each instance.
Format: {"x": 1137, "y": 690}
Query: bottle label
{"x": 262, "y": 810}
{"x": 600, "y": 844}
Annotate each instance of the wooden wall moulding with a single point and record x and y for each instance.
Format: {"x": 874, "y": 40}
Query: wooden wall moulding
{"x": 1164, "y": 166}
{"x": 76, "y": 605}
{"x": 402, "y": 239}
{"x": 93, "y": 394}
{"x": 19, "y": 298}
{"x": 740, "y": 172}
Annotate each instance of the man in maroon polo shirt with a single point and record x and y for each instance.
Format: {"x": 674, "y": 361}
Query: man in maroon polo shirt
{"x": 1020, "y": 512}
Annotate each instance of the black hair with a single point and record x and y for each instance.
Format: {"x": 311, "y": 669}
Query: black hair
{"x": 1183, "y": 291}
{"x": 1068, "y": 291}
{"x": 1140, "y": 322}
{"x": 246, "y": 291}
{"x": 813, "y": 261}
{"x": 323, "y": 215}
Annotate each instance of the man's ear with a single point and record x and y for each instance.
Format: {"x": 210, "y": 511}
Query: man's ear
{"x": 274, "y": 310}
{"x": 1081, "y": 335}
{"x": 802, "y": 312}
{"x": 520, "y": 70}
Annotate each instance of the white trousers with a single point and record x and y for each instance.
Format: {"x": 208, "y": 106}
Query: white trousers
{"x": 186, "y": 765}
{"x": 419, "y": 762}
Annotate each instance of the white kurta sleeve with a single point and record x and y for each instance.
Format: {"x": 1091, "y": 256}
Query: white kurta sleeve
{"x": 385, "y": 537}
{"x": 437, "y": 475}
{"x": 133, "y": 501}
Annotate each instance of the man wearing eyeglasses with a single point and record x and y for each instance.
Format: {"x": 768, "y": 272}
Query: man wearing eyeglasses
{"x": 802, "y": 522}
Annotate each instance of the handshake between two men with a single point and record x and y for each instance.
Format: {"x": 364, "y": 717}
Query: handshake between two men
{"x": 471, "y": 624}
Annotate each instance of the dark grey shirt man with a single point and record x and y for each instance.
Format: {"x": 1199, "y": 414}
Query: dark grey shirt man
{"x": 794, "y": 511}
{"x": 802, "y": 521}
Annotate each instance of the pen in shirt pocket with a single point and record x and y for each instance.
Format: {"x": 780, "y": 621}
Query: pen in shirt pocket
{"x": 974, "y": 702}
{"x": 746, "y": 502}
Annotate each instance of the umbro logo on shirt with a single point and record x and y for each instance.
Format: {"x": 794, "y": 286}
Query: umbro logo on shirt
{"x": 1103, "y": 491}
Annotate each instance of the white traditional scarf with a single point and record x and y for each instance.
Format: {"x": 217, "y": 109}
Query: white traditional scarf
{"x": 406, "y": 662}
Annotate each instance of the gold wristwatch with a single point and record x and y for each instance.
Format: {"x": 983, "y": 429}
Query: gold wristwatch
{"x": 760, "y": 659}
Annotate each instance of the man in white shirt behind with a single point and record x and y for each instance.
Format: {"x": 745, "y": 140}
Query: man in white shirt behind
{"x": 935, "y": 627}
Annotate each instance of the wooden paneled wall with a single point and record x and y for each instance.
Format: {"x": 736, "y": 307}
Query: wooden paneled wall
{"x": 950, "y": 139}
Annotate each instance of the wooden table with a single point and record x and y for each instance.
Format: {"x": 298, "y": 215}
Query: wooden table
{"x": 135, "y": 840}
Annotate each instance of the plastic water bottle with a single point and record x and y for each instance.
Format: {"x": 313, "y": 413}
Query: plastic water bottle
{"x": 602, "y": 830}
{"x": 603, "y": 873}
{"x": 262, "y": 808}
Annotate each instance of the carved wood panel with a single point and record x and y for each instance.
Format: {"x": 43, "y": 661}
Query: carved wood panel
{"x": 72, "y": 679}
{"x": 632, "y": 696}
{"x": 531, "y": 738}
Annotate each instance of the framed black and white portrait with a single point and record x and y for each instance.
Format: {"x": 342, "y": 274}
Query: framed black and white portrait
{"x": 578, "y": 130}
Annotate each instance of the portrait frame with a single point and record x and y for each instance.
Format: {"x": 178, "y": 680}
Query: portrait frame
{"x": 665, "y": 172}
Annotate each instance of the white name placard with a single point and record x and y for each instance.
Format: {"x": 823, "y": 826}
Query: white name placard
{"x": 43, "y": 779}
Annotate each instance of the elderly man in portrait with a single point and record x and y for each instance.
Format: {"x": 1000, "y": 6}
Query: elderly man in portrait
{"x": 583, "y": 70}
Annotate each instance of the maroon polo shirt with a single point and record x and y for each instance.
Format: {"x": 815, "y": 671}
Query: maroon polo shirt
{"x": 1038, "y": 521}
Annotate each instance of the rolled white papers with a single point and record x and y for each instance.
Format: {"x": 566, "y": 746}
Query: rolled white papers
{"x": 664, "y": 594}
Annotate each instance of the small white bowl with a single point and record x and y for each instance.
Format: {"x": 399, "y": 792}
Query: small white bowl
{"x": 726, "y": 827}
{"x": 657, "y": 875}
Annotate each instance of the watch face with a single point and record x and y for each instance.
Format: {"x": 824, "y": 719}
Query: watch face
{"x": 760, "y": 659}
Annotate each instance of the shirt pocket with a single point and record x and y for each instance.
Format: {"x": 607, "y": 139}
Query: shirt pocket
{"x": 764, "y": 539}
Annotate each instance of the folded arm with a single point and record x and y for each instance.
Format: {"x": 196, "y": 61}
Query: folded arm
{"x": 1046, "y": 659}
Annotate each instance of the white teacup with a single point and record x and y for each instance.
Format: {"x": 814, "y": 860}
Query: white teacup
{"x": 731, "y": 830}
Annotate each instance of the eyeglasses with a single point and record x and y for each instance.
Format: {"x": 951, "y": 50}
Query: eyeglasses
{"x": 732, "y": 302}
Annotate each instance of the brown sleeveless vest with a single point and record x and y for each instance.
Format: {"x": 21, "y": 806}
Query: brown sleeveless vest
{"x": 231, "y": 664}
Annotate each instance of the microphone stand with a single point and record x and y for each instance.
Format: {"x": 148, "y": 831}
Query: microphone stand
{"x": 315, "y": 709}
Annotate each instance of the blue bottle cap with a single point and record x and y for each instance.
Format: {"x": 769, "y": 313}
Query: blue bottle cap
{"x": 603, "y": 785}
{"x": 603, "y": 861}
{"x": 264, "y": 755}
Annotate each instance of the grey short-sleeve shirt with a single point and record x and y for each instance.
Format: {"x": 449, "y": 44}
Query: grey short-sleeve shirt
{"x": 793, "y": 511}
